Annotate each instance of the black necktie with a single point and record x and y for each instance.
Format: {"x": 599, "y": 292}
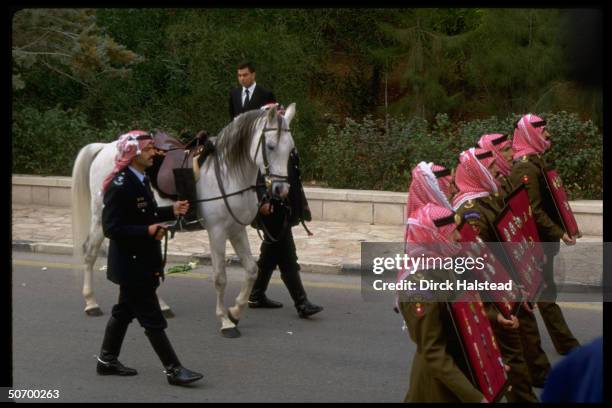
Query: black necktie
{"x": 246, "y": 98}
{"x": 147, "y": 184}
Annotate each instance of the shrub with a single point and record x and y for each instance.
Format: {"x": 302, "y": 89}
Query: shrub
{"x": 47, "y": 142}
{"x": 365, "y": 155}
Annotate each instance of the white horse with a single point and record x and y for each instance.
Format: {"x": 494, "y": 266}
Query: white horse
{"x": 255, "y": 140}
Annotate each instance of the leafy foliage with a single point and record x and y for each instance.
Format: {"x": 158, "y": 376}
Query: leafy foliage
{"x": 423, "y": 81}
{"x": 67, "y": 42}
{"x": 383, "y": 160}
{"x": 47, "y": 142}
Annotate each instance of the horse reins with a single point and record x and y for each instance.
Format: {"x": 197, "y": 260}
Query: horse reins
{"x": 267, "y": 177}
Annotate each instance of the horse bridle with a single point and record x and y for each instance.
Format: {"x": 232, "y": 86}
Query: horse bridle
{"x": 268, "y": 176}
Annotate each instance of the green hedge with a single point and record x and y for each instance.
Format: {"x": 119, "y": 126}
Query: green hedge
{"x": 47, "y": 142}
{"x": 359, "y": 155}
{"x": 365, "y": 155}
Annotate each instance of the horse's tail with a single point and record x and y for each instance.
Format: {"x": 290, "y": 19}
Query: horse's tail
{"x": 81, "y": 196}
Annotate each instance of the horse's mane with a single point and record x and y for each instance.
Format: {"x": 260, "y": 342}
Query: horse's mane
{"x": 234, "y": 141}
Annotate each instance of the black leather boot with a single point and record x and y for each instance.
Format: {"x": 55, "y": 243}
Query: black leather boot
{"x": 186, "y": 190}
{"x": 258, "y": 298}
{"x": 292, "y": 280}
{"x": 108, "y": 364}
{"x": 175, "y": 372}
{"x": 306, "y": 309}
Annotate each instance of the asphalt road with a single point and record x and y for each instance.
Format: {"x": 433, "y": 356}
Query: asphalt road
{"x": 353, "y": 351}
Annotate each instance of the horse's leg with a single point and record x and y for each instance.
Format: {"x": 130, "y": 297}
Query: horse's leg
{"x": 91, "y": 248}
{"x": 217, "y": 253}
{"x": 240, "y": 242}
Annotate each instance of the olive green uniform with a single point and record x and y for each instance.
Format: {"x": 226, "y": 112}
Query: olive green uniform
{"x": 528, "y": 171}
{"x": 481, "y": 214}
{"x": 439, "y": 370}
{"x": 506, "y": 188}
{"x": 536, "y": 358}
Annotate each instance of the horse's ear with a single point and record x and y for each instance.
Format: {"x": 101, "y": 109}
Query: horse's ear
{"x": 272, "y": 113}
{"x": 290, "y": 113}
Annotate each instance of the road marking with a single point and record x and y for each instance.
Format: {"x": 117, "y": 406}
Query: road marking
{"x": 580, "y": 305}
{"x": 276, "y": 281}
{"x": 54, "y": 265}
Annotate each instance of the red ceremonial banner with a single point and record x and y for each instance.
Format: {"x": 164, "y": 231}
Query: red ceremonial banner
{"x": 479, "y": 346}
{"x": 555, "y": 186}
{"x": 526, "y": 266}
{"x": 494, "y": 271}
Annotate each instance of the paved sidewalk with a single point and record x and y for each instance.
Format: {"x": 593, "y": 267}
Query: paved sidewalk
{"x": 334, "y": 247}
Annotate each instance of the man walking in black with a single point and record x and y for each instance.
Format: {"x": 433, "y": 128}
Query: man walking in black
{"x": 276, "y": 217}
{"x": 130, "y": 219}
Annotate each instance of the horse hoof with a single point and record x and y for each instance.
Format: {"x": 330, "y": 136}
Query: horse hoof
{"x": 168, "y": 313}
{"x": 232, "y": 319}
{"x": 230, "y": 333}
{"x": 95, "y": 311}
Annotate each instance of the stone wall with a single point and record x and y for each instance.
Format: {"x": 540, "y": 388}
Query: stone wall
{"x": 326, "y": 204}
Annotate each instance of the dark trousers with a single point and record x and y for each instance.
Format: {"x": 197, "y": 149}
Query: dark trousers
{"x": 536, "y": 358}
{"x": 512, "y": 352}
{"x": 282, "y": 254}
{"x": 138, "y": 302}
{"x": 141, "y": 303}
{"x": 557, "y": 328}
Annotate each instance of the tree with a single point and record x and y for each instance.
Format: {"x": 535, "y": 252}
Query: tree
{"x": 415, "y": 58}
{"x": 67, "y": 42}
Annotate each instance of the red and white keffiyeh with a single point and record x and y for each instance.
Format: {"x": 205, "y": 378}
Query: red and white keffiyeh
{"x": 472, "y": 178}
{"x": 425, "y": 188}
{"x": 444, "y": 181}
{"x": 490, "y": 142}
{"x": 424, "y": 238}
{"x": 528, "y": 138}
{"x": 129, "y": 145}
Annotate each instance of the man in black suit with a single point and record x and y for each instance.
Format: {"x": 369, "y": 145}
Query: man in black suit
{"x": 131, "y": 220}
{"x": 277, "y": 216}
{"x": 249, "y": 96}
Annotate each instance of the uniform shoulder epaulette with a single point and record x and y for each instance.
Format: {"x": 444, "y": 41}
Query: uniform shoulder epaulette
{"x": 119, "y": 179}
{"x": 471, "y": 217}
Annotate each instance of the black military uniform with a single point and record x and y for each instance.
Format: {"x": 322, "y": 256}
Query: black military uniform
{"x": 135, "y": 264}
{"x": 278, "y": 249}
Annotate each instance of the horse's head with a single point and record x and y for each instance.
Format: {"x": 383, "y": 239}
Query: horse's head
{"x": 275, "y": 143}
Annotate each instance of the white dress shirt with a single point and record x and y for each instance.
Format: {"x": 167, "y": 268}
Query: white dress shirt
{"x": 251, "y": 89}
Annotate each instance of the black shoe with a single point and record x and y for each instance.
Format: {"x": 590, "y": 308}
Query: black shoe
{"x": 306, "y": 309}
{"x": 113, "y": 367}
{"x": 181, "y": 375}
{"x": 108, "y": 364}
{"x": 265, "y": 303}
{"x": 175, "y": 372}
